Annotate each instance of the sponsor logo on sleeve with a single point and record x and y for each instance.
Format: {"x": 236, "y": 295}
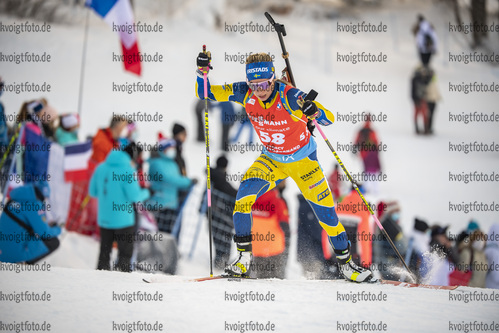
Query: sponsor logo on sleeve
{"x": 323, "y": 195}
{"x": 317, "y": 184}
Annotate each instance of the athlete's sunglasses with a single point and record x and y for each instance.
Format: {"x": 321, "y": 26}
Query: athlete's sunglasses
{"x": 265, "y": 85}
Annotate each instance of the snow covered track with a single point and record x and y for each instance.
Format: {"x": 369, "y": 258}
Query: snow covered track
{"x": 99, "y": 301}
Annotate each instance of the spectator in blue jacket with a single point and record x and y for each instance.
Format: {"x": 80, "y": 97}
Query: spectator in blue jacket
{"x": 165, "y": 182}
{"x": 25, "y": 235}
{"x": 116, "y": 188}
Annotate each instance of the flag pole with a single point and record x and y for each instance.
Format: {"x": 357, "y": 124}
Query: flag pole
{"x": 83, "y": 56}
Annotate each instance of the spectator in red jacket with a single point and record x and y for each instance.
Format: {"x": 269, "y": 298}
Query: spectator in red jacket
{"x": 367, "y": 144}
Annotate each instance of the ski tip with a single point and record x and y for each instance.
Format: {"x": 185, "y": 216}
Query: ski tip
{"x": 417, "y": 285}
{"x": 224, "y": 276}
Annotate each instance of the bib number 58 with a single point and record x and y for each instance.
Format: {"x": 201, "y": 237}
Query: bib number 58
{"x": 276, "y": 138}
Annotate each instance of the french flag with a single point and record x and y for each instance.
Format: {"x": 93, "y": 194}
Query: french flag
{"x": 118, "y": 14}
{"x": 76, "y": 158}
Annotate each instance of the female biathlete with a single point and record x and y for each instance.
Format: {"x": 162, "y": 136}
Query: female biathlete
{"x": 279, "y": 115}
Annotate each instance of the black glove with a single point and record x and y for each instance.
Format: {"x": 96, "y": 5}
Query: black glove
{"x": 203, "y": 60}
{"x": 310, "y": 109}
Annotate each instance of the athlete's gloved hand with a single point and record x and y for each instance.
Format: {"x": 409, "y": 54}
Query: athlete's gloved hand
{"x": 203, "y": 59}
{"x": 310, "y": 109}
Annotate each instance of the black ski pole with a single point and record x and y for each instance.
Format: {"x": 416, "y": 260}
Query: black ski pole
{"x": 281, "y": 31}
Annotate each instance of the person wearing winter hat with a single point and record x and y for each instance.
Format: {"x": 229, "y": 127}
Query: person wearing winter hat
{"x": 166, "y": 180}
{"x": 383, "y": 255}
{"x": 472, "y": 256}
{"x": 116, "y": 189}
{"x": 367, "y": 143}
{"x": 179, "y": 135}
{"x": 219, "y": 177}
{"x": 67, "y": 132}
{"x": 282, "y": 118}
{"x": 421, "y": 78}
{"x": 463, "y": 238}
{"x": 426, "y": 39}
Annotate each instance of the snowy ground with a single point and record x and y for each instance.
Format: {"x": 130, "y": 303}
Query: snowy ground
{"x": 82, "y": 301}
{"x": 417, "y": 167}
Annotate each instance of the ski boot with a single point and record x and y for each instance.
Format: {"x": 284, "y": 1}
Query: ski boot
{"x": 241, "y": 265}
{"x": 349, "y": 269}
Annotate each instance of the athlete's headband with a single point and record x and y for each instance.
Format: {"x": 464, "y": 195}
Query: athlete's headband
{"x": 259, "y": 70}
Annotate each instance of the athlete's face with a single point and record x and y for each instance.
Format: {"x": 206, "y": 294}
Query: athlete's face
{"x": 262, "y": 91}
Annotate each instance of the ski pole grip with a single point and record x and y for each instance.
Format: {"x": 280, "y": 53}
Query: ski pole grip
{"x": 278, "y": 27}
{"x": 311, "y": 95}
{"x": 271, "y": 20}
{"x": 209, "y": 55}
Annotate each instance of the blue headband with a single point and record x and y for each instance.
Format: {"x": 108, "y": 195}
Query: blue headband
{"x": 259, "y": 70}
